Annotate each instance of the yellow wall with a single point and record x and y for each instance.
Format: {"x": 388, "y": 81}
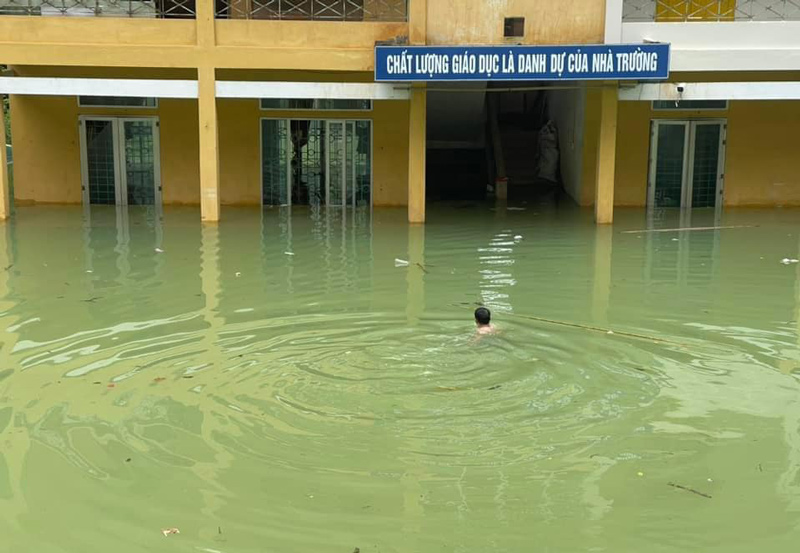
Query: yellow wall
{"x": 175, "y": 43}
{"x": 180, "y": 163}
{"x": 47, "y": 148}
{"x": 46, "y": 128}
{"x": 240, "y": 157}
{"x": 546, "y": 21}
{"x": 762, "y": 166}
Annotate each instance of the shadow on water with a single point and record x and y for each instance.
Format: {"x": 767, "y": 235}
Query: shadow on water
{"x": 281, "y": 382}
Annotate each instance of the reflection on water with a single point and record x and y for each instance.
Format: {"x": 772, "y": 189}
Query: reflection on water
{"x": 276, "y": 383}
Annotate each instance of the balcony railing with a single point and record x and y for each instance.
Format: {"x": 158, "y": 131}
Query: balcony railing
{"x": 711, "y": 10}
{"x": 295, "y": 10}
{"x": 316, "y": 10}
{"x": 164, "y": 9}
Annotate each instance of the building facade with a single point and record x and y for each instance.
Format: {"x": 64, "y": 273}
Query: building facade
{"x": 274, "y": 102}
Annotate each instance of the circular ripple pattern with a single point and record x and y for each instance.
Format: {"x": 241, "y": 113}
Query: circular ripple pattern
{"x": 283, "y": 383}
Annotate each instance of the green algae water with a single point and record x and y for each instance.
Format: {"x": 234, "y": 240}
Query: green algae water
{"x": 284, "y": 382}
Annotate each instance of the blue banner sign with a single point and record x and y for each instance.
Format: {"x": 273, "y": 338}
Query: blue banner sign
{"x": 613, "y": 62}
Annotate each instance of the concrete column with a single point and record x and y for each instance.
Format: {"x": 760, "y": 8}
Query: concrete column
{"x": 207, "y": 109}
{"x": 5, "y": 200}
{"x": 415, "y": 274}
{"x": 209, "y": 145}
{"x": 601, "y": 293}
{"x": 418, "y": 22}
{"x": 417, "y": 121}
{"x": 606, "y": 156}
{"x": 613, "y": 22}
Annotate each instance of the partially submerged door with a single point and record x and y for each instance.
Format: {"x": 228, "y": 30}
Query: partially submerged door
{"x": 120, "y": 161}
{"x": 316, "y": 162}
{"x": 687, "y": 160}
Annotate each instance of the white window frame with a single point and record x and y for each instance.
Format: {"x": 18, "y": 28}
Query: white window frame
{"x": 321, "y": 110}
{"x": 106, "y": 106}
{"x": 688, "y": 160}
{"x": 120, "y": 176}
{"x": 671, "y": 110}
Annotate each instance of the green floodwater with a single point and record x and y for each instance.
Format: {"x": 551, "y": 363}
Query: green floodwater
{"x": 277, "y": 384}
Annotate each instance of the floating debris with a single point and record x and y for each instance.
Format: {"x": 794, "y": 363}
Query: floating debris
{"x": 289, "y": 253}
{"x": 400, "y": 263}
{"x": 238, "y": 274}
{"x": 690, "y": 490}
{"x": 169, "y": 531}
{"x": 159, "y": 250}
{"x": 787, "y": 261}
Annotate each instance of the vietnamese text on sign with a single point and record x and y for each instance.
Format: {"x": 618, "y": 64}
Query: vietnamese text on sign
{"x": 540, "y": 63}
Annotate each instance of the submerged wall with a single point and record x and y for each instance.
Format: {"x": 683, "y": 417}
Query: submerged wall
{"x": 762, "y": 167}
{"x": 47, "y": 148}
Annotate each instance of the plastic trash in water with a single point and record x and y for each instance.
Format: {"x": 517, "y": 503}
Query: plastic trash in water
{"x": 518, "y": 237}
{"x": 289, "y": 253}
{"x": 787, "y": 261}
{"x": 169, "y": 531}
{"x": 400, "y": 263}
{"x": 238, "y": 274}
{"x": 159, "y": 250}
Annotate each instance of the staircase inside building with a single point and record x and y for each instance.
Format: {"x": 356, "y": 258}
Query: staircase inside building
{"x": 519, "y": 149}
{"x": 476, "y": 135}
{"x": 520, "y": 116}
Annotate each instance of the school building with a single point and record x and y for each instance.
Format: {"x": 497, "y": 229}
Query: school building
{"x": 277, "y": 102}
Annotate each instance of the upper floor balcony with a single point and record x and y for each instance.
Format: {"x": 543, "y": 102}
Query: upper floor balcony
{"x": 291, "y": 10}
{"x": 718, "y": 35}
{"x": 682, "y": 11}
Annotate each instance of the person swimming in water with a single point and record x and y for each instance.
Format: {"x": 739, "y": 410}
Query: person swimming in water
{"x": 483, "y": 319}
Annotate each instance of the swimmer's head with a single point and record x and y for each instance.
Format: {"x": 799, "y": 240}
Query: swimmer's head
{"x": 483, "y": 316}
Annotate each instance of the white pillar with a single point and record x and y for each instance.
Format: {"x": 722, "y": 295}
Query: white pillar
{"x": 613, "y": 31}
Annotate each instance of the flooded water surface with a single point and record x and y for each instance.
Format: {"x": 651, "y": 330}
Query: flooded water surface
{"x": 310, "y": 382}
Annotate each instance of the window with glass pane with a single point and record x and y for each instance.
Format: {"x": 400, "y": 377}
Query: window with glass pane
{"x": 706, "y": 165}
{"x": 117, "y": 101}
{"x": 690, "y": 105}
{"x": 140, "y": 173}
{"x": 362, "y": 160}
{"x": 316, "y": 162}
{"x": 318, "y": 103}
{"x": 669, "y": 165}
{"x": 275, "y": 161}
{"x": 100, "y": 159}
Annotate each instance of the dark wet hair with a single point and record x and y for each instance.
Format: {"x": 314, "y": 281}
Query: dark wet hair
{"x": 483, "y": 316}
